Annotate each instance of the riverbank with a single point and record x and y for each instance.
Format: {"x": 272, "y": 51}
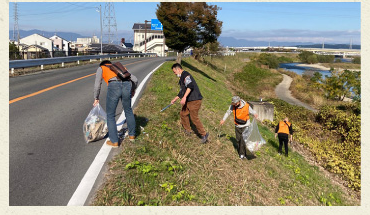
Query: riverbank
{"x": 167, "y": 167}
{"x": 316, "y": 66}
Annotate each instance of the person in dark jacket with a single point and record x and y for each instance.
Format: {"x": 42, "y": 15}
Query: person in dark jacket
{"x": 191, "y": 101}
{"x": 282, "y": 130}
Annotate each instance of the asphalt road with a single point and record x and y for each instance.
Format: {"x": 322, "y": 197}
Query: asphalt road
{"x": 48, "y": 155}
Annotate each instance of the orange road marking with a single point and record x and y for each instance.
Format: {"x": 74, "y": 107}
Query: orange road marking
{"x": 59, "y": 85}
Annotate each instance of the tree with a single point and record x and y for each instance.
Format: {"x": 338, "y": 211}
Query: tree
{"x": 312, "y": 59}
{"x": 303, "y": 56}
{"x": 207, "y": 49}
{"x": 316, "y": 80}
{"x": 342, "y": 84}
{"x": 188, "y": 24}
{"x": 14, "y": 51}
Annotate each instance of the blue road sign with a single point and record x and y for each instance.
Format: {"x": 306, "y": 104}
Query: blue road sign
{"x": 156, "y": 25}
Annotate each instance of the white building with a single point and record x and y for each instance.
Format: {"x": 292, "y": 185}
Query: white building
{"x": 60, "y": 44}
{"x": 155, "y": 41}
{"x": 37, "y": 39}
{"x": 84, "y": 41}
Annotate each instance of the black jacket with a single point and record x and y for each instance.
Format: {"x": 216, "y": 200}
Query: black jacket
{"x": 187, "y": 81}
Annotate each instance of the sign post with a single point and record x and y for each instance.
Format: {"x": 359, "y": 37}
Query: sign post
{"x": 156, "y": 25}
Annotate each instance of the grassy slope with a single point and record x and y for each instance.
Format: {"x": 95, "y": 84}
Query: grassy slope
{"x": 164, "y": 167}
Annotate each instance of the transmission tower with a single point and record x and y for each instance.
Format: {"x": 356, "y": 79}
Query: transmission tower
{"x": 110, "y": 25}
{"x": 15, "y": 27}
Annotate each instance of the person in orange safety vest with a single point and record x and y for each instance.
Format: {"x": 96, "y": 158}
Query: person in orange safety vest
{"x": 241, "y": 110}
{"x": 282, "y": 130}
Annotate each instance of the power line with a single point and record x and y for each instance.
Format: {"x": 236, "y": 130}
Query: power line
{"x": 80, "y": 5}
{"x": 55, "y": 12}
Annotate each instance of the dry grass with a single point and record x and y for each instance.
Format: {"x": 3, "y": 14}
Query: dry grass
{"x": 342, "y": 65}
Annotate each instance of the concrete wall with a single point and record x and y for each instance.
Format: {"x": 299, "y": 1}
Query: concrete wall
{"x": 264, "y": 110}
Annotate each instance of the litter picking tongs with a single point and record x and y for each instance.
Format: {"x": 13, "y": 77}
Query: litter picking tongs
{"x": 166, "y": 107}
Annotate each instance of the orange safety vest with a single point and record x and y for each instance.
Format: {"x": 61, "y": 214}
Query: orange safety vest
{"x": 107, "y": 73}
{"x": 242, "y": 113}
{"x": 283, "y": 127}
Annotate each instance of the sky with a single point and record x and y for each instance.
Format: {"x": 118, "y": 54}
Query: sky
{"x": 329, "y": 22}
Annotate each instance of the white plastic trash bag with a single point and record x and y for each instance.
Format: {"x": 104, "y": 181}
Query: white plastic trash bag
{"x": 95, "y": 125}
{"x": 252, "y": 137}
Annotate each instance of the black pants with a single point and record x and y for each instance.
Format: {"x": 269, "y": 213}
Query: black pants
{"x": 240, "y": 140}
{"x": 283, "y": 139}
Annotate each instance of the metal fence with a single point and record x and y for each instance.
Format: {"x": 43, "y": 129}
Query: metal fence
{"x": 26, "y": 55}
{"x": 15, "y": 64}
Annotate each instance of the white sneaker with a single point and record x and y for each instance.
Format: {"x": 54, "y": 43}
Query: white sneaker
{"x": 242, "y": 157}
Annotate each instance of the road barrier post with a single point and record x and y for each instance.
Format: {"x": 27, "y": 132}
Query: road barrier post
{"x": 62, "y": 64}
{"x": 12, "y": 71}
{"x": 78, "y": 62}
{"x": 42, "y": 67}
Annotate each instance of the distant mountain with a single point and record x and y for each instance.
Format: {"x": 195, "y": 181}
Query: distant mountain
{"x": 65, "y": 35}
{"x": 232, "y": 42}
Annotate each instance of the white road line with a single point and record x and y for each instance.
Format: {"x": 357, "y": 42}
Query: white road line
{"x": 79, "y": 197}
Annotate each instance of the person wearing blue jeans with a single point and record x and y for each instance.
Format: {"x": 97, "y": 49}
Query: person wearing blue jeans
{"x": 117, "y": 89}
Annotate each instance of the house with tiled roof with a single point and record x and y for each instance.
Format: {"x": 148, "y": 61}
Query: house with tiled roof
{"x": 60, "y": 44}
{"x": 39, "y": 40}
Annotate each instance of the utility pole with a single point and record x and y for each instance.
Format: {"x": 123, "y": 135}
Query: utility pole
{"x": 145, "y": 33}
{"x": 101, "y": 32}
{"x": 350, "y": 45}
{"x": 163, "y": 44}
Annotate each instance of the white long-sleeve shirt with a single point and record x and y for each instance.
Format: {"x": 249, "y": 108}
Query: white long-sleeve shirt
{"x": 231, "y": 108}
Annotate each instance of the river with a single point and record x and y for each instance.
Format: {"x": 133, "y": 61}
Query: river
{"x": 301, "y": 69}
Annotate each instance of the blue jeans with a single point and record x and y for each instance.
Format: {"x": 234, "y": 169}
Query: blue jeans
{"x": 116, "y": 91}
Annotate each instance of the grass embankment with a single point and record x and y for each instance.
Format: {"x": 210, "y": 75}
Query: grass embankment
{"x": 332, "y": 136}
{"x": 165, "y": 167}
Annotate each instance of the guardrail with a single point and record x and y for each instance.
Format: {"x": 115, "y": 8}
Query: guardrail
{"x": 15, "y": 64}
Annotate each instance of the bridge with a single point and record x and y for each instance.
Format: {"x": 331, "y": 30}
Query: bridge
{"x": 320, "y": 51}
{"x": 337, "y": 52}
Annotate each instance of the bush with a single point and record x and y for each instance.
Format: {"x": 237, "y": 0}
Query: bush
{"x": 326, "y": 58}
{"x": 269, "y": 60}
{"x": 343, "y": 157}
{"x": 332, "y": 135}
{"x": 284, "y": 59}
{"x": 356, "y": 60}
